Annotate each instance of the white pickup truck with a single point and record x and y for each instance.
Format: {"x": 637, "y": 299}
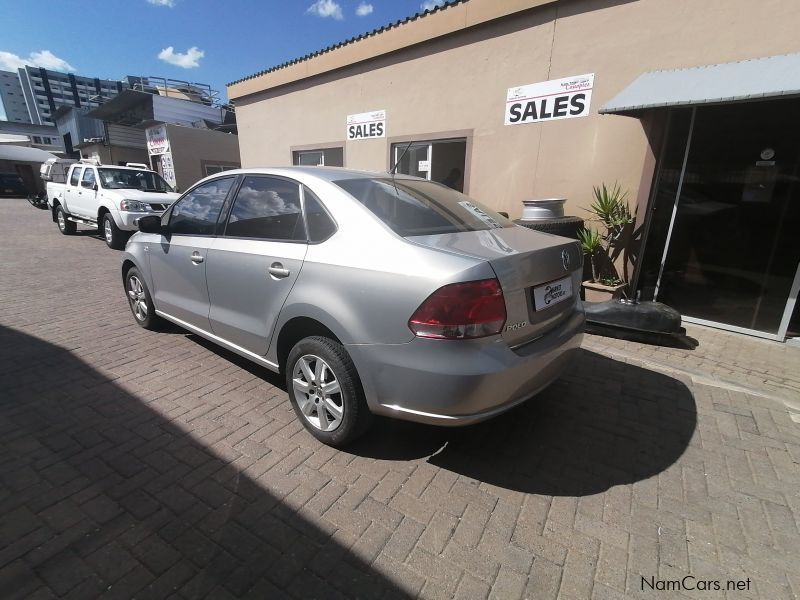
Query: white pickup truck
{"x": 108, "y": 197}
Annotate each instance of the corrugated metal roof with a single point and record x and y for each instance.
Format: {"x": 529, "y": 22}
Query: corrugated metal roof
{"x": 755, "y": 79}
{"x": 352, "y": 40}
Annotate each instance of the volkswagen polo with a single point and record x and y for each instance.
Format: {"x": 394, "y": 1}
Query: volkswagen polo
{"x": 372, "y": 294}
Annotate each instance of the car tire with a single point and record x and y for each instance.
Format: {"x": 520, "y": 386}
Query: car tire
{"x": 139, "y": 300}
{"x": 335, "y": 418}
{"x": 64, "y": 226}
{"x": 115, "y": 238}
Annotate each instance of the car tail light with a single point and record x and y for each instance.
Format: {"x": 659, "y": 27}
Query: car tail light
{"x": 460, "y": 311}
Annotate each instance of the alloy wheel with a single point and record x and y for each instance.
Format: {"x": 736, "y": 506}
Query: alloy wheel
{"x": 62, "y": 222}
{"x": 317, "y": 393}
{"x": 137, "y": 298}
{"x": 108, "y": 231}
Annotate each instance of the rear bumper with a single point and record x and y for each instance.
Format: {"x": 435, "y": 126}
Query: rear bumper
{"x": 462, "y": 382}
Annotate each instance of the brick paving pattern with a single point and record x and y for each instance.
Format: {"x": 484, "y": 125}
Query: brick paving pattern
{"x": 155, "y": 465}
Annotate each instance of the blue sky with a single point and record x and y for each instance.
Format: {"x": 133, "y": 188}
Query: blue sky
{"x": 204, "y": 41}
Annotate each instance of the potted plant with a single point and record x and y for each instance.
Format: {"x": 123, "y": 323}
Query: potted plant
{"x": 604, "y": 244}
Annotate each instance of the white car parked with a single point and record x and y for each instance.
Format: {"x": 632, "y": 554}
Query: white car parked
{"x": 108, "y": 197}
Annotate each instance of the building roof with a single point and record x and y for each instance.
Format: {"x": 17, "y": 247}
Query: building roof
{"x": 450, "y": 17}
{"x": 757, "y": 79}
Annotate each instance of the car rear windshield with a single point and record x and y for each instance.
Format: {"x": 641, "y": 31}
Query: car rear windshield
{"x": 416, "y": 207}
{"x": 131, "y": 179}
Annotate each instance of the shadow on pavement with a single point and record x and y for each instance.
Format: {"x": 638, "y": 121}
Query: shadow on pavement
{"x": 603, "y": 424}
{"x": 103, "y": 494}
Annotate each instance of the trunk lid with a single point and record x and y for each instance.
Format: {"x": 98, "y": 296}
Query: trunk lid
{"x": 540, "y": 274}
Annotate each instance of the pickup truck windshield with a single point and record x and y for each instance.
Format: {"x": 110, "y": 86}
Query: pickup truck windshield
{"x": 131, "y": 179}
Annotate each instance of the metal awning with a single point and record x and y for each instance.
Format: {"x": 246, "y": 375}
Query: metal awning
{"x": 757, "y": 79}
{"x": 125, "y": 101}
{"x": 23, "y": 154}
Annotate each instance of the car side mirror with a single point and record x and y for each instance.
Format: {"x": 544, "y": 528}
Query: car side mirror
{"x": 150, "y": 224}
{"x": 501, "y": 212}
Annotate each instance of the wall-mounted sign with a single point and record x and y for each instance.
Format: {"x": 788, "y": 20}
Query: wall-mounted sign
{"x": 157, "y": 140}
{"x": 565, "y": 98}
{"x": 424, "y": 165}
{"x": 366, "y": 125}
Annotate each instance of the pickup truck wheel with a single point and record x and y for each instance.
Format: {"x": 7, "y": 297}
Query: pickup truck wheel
{"x": 140, "y": 301}
{"x": 64, "y": 226}
{"x": 115, "y": 238}
{"x": 325, "y": 391}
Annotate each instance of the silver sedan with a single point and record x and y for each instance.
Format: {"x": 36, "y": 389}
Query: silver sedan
{"x": 372, "y": 294}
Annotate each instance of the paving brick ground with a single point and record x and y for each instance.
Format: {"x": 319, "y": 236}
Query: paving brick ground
{"x": 135, "y": 464}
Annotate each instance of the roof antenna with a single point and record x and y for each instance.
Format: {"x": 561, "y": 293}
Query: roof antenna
{"x": 394, "y": 168}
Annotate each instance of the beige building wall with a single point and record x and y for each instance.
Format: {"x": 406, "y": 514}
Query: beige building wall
{"x": 458, "y": 83}
{"x": 193, "y": 148}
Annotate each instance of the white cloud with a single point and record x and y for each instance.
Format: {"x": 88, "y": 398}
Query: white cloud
{"x": 187, "y": 60}
{"x": 431, "y": 4}
{"x": 169, "y": 3}
{"x": 326, "y": 8}
{"x": 44, "y": 58}
{"x": 364, "y": 9}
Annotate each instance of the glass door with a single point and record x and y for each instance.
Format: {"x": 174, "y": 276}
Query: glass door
{"x": 731, "y": 251}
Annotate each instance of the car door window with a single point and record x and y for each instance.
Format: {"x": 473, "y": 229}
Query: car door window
{"x": 87, "y": 180}
{"x": 197, "y": 212}
{"x": 267, "y": 208}
{"x": 319, "y": 222}
{"x": 75, "y": 177}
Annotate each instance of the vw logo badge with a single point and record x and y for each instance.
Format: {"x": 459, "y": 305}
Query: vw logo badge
{"x": 565, "y": 259}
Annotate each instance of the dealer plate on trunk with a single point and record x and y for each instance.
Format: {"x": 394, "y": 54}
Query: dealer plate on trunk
{"x": 545, "y": 296}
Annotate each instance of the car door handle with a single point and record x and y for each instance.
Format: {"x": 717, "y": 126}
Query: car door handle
{"x": 276, "y": 270}
{"x": 196, "y": 258}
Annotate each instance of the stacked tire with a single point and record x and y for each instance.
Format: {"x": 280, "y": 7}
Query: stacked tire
{"x": 563, "y": 226}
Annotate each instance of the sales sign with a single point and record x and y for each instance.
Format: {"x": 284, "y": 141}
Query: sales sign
{"x": 566, "y": 98}
{"x": 157, "y": 140}
{"x": 366, "y": 125}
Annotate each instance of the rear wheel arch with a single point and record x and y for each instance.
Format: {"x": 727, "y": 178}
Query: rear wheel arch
{"x": 54, "y": 209}
{"x": 296, "y": 329}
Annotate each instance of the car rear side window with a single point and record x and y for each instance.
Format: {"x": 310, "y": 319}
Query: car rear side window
{"x": 319, "y": 222}
{"x": 416, "y": 207}
{"x": 267, "y": 208}
{"x": 75, "y": 177}
{"x": 87, "y": 180}
{"x": 197, "y": 212}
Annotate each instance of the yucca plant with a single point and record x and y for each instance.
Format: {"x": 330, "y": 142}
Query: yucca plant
{"x": 611, "y": 210}
{"x": 591, "y": 244}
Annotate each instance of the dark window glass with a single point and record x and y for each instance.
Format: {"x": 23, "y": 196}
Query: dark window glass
{"x": 197, "y": 212}
{"x": 131, "y": 179}
{"x": 88, "y": 178}
{"x": 267, "y": 208}
{"x": 75, "y": 177}
{"x": 416, "y": 207}
{"x": 320, "y": 225}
